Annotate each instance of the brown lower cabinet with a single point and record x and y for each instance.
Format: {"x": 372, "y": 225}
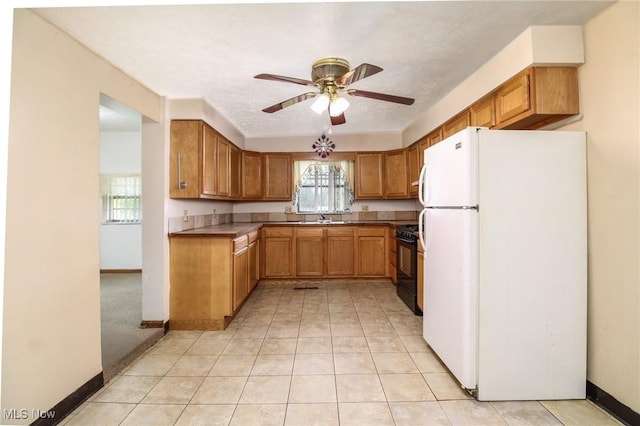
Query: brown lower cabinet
{"x": 340, "y": 251}
{"x": 277, "y": 252}
{"x": 240, "y": 276}
{"x": 371, "y": 251}
{"x": 254, "y": 260}
{"x": 393, "y": 272}
{"x": 212, "y": 276}
{"x": 210, "y": 280}
{"x": 310, "y": 251}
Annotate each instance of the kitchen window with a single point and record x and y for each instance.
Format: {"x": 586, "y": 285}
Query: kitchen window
{"x": 121, "y": 198}
{"x": 323, "y": 186}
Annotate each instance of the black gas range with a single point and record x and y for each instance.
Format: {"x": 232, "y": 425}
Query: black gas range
{"x": 407, "y": 265}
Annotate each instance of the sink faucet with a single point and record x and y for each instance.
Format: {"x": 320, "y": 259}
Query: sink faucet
{"x": 322, "y": 217}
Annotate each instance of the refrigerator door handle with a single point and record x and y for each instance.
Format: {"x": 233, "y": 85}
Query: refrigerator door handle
{"x": 421, "y": 229}
{"x": 477, "y": 208}
{"x": 421, "y": 197}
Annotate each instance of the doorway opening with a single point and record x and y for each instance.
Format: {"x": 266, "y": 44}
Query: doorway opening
{"x": 121, "y": 218}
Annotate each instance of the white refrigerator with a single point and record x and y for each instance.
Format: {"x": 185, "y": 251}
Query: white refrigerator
{"x": 504, "y": 227}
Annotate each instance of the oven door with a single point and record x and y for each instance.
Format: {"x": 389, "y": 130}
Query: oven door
{"x": 407, "y": 267}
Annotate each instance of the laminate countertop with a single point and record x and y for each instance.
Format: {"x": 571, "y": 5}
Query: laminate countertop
{"x": 234, "y": 230}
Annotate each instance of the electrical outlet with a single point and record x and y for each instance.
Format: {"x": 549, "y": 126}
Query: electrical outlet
{"x": 288, "y": 209}
{"x": 365, "y": 207}
{"x": 185, "y": 217}
{"x": 215, "y": 214}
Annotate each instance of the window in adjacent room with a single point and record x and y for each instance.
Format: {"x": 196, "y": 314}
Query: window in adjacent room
{"x": 323, "y": 186}
{"x": 121, "y": 200}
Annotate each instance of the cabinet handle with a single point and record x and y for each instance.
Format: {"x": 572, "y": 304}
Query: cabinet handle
{"x": 181, "y": 184}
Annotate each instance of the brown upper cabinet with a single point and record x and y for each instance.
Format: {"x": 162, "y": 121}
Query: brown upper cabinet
{"x": 536, "y": 97}
{"x": 209, "y": 160}
{"x": 223, "y": 171}
{"x": 369, "y": 175}
{"x": 413, "y": 168}
{"x": 251, "y": 175}
{"x": 533, "y": 98}
{"x": 192, "y": 160}
{"x": 203, "y": 164}
{"x": 483, "y": 112}
{"x": 381, "y": 175}
{"x": 455, "y": 124}
{"x": 396, "y": 176}
{"x": 278, "y": 171}
{"x": 235, "y": 183}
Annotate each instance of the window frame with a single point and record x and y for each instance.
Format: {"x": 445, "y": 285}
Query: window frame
{"x": 324, "y": 180}
{"x": 115, "y": 192}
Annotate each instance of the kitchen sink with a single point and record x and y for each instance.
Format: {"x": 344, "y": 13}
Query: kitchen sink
{"x": 326, "y": 222}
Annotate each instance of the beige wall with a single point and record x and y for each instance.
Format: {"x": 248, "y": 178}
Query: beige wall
{"x": 51, "y": 333}
{"x": 610, "y": 103}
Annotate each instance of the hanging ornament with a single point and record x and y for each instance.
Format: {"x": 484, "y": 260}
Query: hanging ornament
{"x": 323, "y": 146}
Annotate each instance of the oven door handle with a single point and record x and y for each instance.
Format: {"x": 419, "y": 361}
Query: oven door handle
{"x": 404, "y": 240}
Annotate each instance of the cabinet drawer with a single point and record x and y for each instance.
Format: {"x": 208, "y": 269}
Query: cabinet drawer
{"x": 253, "y": 236}
{"x": 309, "y": 232}
{"x": 340, "y": 231}
{"x": 372, "y": 232}
{"x": 278, "y": 232}
{"x": 239, "y": 243}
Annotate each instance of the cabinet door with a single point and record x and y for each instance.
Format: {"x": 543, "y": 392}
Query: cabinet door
{"x": 340, "y": 251}
{"x": 251, "y": 175}
{"x": 235, "y": 180}
{"x": 185, "y": 163}
{"x": 223, "y": 170}
{"x": 369, "y": 175}
{"x": 277, "y": 252}
{"x": 413, "y": 166}
{"x": 396, "y": 176}
{"x": 393, "y": 273}
{"x": 309, "y": 252}
{"x": 434, "y": 137}
{"x": 278, "y": 169}
{"x": 209, "y": 150}
{"x": 254, "y": 264}
{"x": 202, "y": 277}
{"x": 483, "y": 113}
{"x": 372, "y": 257}
{"x": 240, "y": 277}
{"x": 457, "y": 123}
{"x": 513, "y": 97}
{"x": 422, "y": 145}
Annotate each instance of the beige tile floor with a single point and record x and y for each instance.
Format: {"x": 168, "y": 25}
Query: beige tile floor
{"x": 347, "y": 354}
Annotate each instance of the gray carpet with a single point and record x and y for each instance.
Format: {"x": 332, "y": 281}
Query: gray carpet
{"x": 121, "y": 313}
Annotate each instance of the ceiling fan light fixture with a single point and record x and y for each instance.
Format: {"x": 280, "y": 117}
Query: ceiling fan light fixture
{"x": 338, "y": 106}
{"x": 320, "y": 104}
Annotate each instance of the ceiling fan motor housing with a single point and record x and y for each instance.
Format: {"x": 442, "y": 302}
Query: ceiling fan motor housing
{"x": 327, "y": 70}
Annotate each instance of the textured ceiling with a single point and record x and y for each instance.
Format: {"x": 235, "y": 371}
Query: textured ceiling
{"x": 426, "y": 48}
